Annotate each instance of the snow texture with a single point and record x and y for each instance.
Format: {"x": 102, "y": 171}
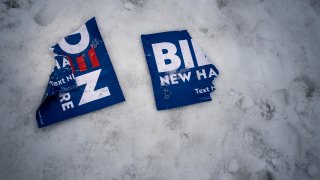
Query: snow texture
{"x": 263, "y": 123}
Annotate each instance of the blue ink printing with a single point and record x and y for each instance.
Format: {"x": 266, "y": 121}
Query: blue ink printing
{"x": 83, "y": 79}
{"x": 180, "y": 71}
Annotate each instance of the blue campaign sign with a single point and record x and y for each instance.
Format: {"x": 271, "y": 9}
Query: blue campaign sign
{"x": 83, "y": 79}
{"x": 180, "y": 71}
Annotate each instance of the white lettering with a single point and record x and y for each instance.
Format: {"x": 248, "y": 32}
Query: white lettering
{"x": 89, "y": 93}
{"x": 160, "y": 56}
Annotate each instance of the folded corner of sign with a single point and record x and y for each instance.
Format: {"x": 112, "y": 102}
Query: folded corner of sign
{"x": 83, "y": 79}
{"x": 62, "y": 79}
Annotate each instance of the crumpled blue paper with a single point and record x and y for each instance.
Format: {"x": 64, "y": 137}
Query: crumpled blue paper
{"x": 180, "y": 71}
{"x": 83, "y": 79}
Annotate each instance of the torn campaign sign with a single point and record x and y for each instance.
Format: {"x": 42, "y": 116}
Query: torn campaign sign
{"x": 180, "y": 71}
{"x": 83, "y": 79}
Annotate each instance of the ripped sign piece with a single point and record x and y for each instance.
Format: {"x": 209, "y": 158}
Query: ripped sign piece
{"x": 180, "y": 71}
{"x": 83, "y": 79}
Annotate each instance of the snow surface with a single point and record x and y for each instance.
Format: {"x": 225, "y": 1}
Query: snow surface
{"x": 263, "y": 122}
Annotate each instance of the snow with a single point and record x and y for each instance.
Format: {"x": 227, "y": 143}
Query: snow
{"x": 263, "y": 122}
{"x": 233, "y": 166}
